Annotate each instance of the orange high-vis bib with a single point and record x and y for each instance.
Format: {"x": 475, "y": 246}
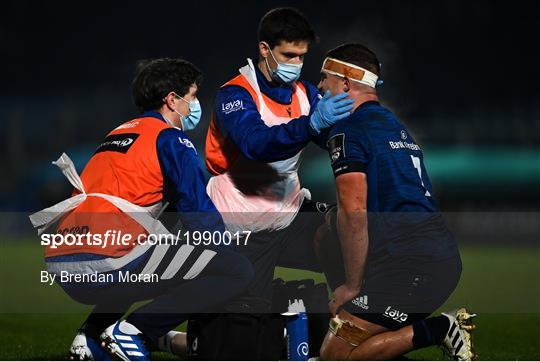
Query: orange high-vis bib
{"x": 126, "y": 166}
{"x": 221, "y": 153}
{"x": 253, "y": 195}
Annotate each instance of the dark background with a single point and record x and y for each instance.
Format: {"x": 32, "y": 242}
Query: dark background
{"x": 463, "y": 75}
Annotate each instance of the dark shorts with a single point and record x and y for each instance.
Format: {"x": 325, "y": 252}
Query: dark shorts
{"x": 396, "y": 292}
{"x": 291, "y": 247}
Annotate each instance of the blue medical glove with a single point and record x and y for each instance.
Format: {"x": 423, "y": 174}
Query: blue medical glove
{"x": 330, "y": 110}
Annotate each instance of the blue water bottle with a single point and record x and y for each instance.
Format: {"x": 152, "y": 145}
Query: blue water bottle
{"x": 297, "y": 332}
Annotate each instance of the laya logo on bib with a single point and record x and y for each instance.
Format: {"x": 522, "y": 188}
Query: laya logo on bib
{"x": 118, "y": 143}
{"x": 187, "y": 143}
{"x": 233, "y": 106}
{"x": 336, "y": 147}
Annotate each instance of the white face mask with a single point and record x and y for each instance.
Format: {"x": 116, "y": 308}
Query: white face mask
{"x": 285, "y": 73}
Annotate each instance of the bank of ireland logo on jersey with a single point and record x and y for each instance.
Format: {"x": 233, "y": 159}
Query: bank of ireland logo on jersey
{"x": 403, "y": 134}
{"x": 361, "y": 302}
{"x": 233, "y": 106}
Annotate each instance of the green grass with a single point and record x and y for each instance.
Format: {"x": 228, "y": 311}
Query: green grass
{"x": 37, "y": 322}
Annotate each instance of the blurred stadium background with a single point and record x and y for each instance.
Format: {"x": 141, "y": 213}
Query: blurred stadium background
{"x": 462, "y": 75}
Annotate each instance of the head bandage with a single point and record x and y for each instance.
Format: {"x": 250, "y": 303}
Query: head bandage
{"x": 347, "y": 70}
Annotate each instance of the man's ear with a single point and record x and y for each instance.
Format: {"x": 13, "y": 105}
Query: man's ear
{"x": 169, "y": 100}
{"x": 264, "y": 49}
{"x": 346, "y": 84}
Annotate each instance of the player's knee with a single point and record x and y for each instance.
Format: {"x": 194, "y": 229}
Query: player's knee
{"x": 344, "y": 335}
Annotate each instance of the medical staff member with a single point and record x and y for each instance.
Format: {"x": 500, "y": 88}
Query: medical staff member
{"x": 140, "y": 167}
{"x": 263, "y": 118}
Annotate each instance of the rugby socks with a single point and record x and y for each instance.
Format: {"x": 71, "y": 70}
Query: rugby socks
{"x": 429, "y": 332}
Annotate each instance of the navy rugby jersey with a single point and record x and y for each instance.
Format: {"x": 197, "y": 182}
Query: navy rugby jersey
{"x": 403, "y": 215}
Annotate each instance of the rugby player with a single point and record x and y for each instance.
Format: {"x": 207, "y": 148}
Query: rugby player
{"x": 398, "y": 268}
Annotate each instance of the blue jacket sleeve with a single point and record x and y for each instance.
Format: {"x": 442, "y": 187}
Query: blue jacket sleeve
{"x": 238, "y": 119}
{"x": 184, "y": 182}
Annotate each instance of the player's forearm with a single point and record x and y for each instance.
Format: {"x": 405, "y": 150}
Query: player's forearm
{"x": 353, "y": 235}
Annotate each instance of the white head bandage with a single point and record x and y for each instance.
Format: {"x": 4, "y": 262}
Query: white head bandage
{"x": 347, "y": 70}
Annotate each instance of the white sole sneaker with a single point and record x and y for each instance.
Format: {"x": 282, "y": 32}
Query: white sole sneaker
{"x": 79, "y": 350}
{"x": 457, "y": 343}
{"x": 84, "y": 348}
{"x": 123, "y": 341}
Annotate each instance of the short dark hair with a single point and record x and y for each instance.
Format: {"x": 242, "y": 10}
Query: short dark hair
{"x": 285, "y": 24}
{"x": 356, "y": 54}
{"x": 156, "y": 78}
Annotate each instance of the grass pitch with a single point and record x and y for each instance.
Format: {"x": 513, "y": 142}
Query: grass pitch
{"x": 501, "y": 284}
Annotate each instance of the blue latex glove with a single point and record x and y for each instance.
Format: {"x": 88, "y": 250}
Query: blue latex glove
{"x": 330, "y": 110}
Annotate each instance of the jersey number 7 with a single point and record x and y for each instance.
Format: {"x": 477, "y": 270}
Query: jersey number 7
{"x": 416, "y": 164}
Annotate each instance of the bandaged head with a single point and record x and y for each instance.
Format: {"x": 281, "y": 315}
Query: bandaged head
{"x": 350, "y": 71}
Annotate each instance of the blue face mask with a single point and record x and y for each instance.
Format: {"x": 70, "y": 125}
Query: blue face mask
{"x": 285, "y": 73}
{"x": 190, "y": 121}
